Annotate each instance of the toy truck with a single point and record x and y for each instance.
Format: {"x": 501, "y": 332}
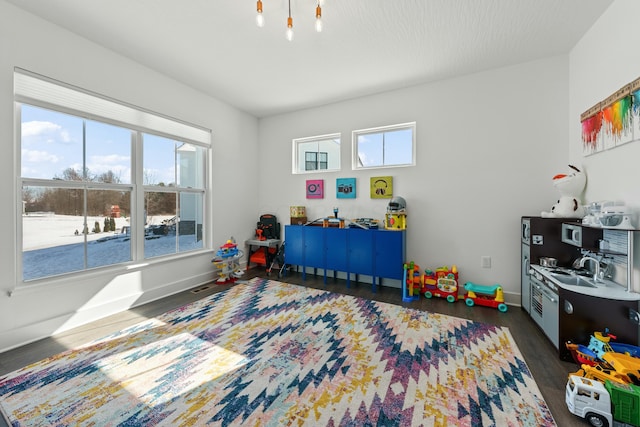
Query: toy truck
{"x": 624, "y": 364}
{"x": 602, "y": 372}
{"x": 603, "y": 405}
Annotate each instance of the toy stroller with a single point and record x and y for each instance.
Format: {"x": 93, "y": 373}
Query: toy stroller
{"x": 278, "y": 258}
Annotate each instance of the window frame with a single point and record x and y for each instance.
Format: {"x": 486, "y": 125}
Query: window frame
{"x": 355, "y": 156}
{"x": 165, "y": 127}
{"x": 298, "y": 153}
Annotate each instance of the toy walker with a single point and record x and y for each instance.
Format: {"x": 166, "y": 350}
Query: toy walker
{"x": 442, "y": 283}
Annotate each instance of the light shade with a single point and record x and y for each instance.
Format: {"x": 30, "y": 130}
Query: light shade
{"x": 318, "y": 18}
{"x": 259, "y": 16}
{"x": 289, "y": 28}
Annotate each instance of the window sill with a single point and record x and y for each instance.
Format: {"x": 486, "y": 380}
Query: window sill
{"x": 110, "y": 271}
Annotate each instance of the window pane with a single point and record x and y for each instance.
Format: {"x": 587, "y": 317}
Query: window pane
{"x": 52, "y": 238}
{"x": 159, "y": 163}
{"x": 190, "y": 223}
{"x": 370, "y": 150}
{"x": 191, "y": 161}
{"x": 384, "y": 146}
{"x": 54, "y": 231}
{"x": 323, "y": 161}
{"x": 51, "y": 144}
{"x": 310, "y": 161}
{"x": 398, "y": 147}
{"x": 307, "y": 150}
{"x": 108, "y": 151}
{"x": 160, "y": 224}
{"x": 110, "y": 241}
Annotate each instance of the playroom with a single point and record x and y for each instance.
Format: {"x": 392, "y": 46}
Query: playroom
{"x": 415, "y": 157}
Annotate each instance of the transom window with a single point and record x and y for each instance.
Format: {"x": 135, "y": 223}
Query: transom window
{"x": 317, "y": 153}
{"x": 97, "y": 191}
{"x": 386, "y": 146}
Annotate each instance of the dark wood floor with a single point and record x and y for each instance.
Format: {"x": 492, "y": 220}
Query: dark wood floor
{"x": 548, "y": 370}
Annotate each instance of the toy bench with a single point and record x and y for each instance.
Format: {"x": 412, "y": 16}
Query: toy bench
{"x": 481, "y": 289}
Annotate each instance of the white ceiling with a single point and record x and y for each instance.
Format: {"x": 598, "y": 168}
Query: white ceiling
{"x": 367, "y": 46}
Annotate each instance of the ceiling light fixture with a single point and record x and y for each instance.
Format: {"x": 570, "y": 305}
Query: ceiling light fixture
{"x": 318, "y": 25}
{"x": 318, "y": 17}
{"x": 259, "y": 16}
{"x": 289, "y": 24}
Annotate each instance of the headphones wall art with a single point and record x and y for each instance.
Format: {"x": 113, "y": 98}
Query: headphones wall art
{"x": 381, "y": 187}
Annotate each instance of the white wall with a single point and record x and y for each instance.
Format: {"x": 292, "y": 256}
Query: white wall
{"x": 605, "y": 60}
{"x": 31, "y": 43}
{"x": 488, "y": 146}
{"x": 602, "y": 62}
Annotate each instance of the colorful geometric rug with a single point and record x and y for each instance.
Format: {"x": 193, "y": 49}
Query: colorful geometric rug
{"x": 267, "y": 353}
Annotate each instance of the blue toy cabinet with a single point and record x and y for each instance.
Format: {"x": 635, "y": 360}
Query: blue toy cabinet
{"x": 376, "y": 253}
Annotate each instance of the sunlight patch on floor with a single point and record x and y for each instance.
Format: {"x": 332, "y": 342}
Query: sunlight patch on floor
{"x": 139, "y": 375}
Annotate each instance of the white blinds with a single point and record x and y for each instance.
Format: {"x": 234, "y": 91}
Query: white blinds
{"x": 33, "y": 88}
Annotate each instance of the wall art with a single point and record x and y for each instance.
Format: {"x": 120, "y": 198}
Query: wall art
{"x": 345, "y": 188}
{"x": 635, "y": 108}
{"x": 612, "y": 122}
{"x": 381, "y": 187}
{"x": 315, "y": 189}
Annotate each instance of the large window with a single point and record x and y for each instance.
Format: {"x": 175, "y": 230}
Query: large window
{"x": 317, "y": 153}
{"x": 386, "y": 146}
{"x": 100, "y": 190}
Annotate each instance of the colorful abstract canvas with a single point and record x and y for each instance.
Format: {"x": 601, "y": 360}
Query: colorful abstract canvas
{"x": 612, "y": 122}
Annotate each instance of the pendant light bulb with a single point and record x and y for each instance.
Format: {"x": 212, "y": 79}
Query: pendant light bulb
{"x": 318, "y": 18}
{"x": 289, "y": 24}
{"x": 259, "y": 16}
{"x": 290, "y": 28}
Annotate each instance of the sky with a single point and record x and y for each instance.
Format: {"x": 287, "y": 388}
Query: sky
{"x": 390, "y": 147}
{"x": 52, "y": 142}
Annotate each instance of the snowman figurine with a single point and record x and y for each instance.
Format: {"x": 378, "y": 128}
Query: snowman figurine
{"x": 570, "y": 187}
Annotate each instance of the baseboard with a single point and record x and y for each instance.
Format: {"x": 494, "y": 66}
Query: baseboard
{"x": 27, "y": 334}
{"x": 512, "y": 298}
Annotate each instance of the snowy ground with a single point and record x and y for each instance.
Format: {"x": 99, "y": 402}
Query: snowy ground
{"x": 52, "y": 247}
{"x": 47, "y": 230}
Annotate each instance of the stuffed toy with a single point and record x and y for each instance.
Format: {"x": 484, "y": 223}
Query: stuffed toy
{"x": 570, "y": 188}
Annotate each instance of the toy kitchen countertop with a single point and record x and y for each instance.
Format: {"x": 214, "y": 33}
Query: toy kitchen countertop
{"x": 568, "y": 279}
